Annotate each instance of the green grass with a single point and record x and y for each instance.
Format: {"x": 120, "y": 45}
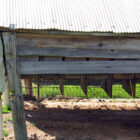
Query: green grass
{"x": 76, "y": 91}
{"x": 6, "y": 109}
{"x": 5, "y": 132}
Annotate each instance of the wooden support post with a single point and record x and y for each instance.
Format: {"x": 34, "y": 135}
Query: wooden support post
{"x": 1, "y": 119}
{"x": 17, "y": 103}
{"x": 61, "y": 84}
{"x": 2, "y": 81}
{"x": 7, "y": 94}
{"x": 108, "y": 86}
{"x": 132, "y": 87}
{"x": 28, "y": 87}
{"x": 129, "y": 86}
{"x": 38, "y": 86}
{"x": 84, "y": 84}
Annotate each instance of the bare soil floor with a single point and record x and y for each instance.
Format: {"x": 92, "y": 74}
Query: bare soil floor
{"x": 75, "y": 119}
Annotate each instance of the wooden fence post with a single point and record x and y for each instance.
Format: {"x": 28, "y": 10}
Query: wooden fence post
{"x": 2, "y": 80}
{"x": 38, "y": 86}
{"x": 61, "y": 85}
{"x": 1, "y": 119}
{"x": 84, "y": 84}
{"x": 17, "y": 103}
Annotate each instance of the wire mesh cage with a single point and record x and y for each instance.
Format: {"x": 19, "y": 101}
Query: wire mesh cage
{"x": 83, "y": 86}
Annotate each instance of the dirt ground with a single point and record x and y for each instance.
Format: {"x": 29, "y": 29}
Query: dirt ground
{"x": 75, "y": 119}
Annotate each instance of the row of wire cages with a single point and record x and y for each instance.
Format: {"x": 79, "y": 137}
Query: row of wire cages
{"x": 79, "y": 86}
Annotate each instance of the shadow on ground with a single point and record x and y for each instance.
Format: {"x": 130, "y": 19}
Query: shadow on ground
{"x": 88, "y": 124}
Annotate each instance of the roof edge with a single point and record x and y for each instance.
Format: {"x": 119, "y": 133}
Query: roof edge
{"x": 62, "y": 32}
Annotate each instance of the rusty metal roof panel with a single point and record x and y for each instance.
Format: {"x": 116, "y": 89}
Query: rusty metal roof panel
{"x": 117, "y": 16}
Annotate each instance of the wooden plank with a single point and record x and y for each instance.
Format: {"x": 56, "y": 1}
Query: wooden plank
{"x": 123, "y": 76}
{"x": 74, "y": 52}
{"x": 68, "y": 33}
{"x": 17, "y": 103}
{"x": 80, "y": 67}
{"x": 83, "y": 42}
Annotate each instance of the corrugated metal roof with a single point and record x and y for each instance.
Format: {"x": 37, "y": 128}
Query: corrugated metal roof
{"x": 118, "y": 16}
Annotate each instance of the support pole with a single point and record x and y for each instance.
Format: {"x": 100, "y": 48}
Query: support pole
{"x": 108, "y": 86}
{"x": 1, "y": 119}
{"x": 28, "y": 87}
{"x": 61, "y": 84}
{"x": 2, "y": 80}
{"x": 17, "y": 103}
{"x": 129, "y": 86}
{"x": 7, "y": 94}
{"x": 38, "y": 86}
{"x": 84, "y": 84}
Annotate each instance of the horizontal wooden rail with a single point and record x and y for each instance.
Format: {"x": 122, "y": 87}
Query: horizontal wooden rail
{"x": 73, "y": 52}
{"x": 79, "y": 67}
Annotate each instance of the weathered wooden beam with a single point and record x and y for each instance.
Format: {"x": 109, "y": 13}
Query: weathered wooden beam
{"x": 2, "y": 81}
{"x": 2, "y": 69}
{"x": 17, "y": 103}
{"x": 80, "y": 67}
{"x": 83, "y": 42}
{"x": 77, "y": 52}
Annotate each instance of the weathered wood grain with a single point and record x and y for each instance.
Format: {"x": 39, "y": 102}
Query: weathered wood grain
{"x": 83, "y": 42}
{"x": 80, "y": 67}
{"x": 71, "y": 52}
{"x": 14, "y": 79}
{"x": 2, "y": 69}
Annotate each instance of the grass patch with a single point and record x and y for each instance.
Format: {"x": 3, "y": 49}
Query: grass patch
{"x": 76, "y": 91}
{"x": 6, "y": 109}
{"x": 4, "y": 125}
{"x": 5, "y": 132}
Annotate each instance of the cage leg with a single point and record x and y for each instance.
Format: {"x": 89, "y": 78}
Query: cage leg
{"x": 61, "y": 84}
{"x": 38, "y": 87}
{"x": 132, "y": 87}
{"x": 28, "y": 86}
{"x": 84, "y": 84}
{"x": 1, "y": 119}
{"x": 108, "y": 86}
{"x": 126, "y": 87}
{"x": 129, "y": 86}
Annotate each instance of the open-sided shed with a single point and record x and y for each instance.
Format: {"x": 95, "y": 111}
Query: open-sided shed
{"x": 59, "y": 39}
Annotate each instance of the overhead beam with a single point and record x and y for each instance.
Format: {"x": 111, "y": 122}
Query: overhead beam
{"x": 77, "y": 52}
{"x": 79, "y": 67}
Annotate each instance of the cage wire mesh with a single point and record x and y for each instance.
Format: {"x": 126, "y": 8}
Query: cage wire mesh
{"x": 47, "y": 86}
